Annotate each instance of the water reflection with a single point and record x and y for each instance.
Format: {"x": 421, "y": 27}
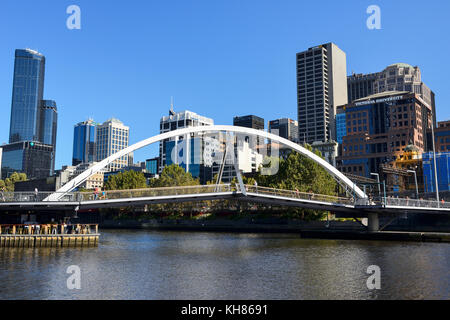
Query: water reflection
{"x": 177, "y": 265}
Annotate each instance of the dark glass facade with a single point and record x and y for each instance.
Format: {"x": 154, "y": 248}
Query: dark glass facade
{"x": 84, "y": 142}
{"x": 152, "y": 165}
{"x": 49, "y": 121}
{"x": 253, "y": 122}
{"x": 33, "y": 123}
{"x": 249, "y": 122}
{"x": 28, "y": 90}
{"x": 34, "y": 159}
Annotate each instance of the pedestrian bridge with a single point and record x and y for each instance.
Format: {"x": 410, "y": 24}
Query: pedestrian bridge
{"x": 139, "y": 197}
{"x": 26, "y": 201}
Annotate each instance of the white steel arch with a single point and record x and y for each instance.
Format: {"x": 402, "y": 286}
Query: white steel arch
{"x": 71, "y": 185}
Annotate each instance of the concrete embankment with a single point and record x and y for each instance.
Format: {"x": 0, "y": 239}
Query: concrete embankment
{"x": 317, "y": 229}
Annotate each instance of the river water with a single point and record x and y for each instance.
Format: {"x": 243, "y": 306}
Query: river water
{"x": 181, "y": 265}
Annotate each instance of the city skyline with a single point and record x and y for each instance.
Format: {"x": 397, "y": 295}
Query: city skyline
{"x": 237, "y": 87}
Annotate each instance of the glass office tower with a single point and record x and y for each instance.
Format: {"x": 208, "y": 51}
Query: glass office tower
{"x": 84, "y": 142}
{"x": 28, "y": 90}
{"x": 32, "y": 138}
{"x": 48, "y": 122}
{"x": 34, "y": 159}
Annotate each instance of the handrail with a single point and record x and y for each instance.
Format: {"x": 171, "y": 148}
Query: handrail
{"x": 15, "y": 197}
{"x": 47, "y": 229}
{"x": 302, "y": 195}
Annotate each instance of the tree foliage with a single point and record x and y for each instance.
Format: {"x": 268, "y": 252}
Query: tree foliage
{"x": 174, "y": 176}
{"x": 300, "y": 173}
{"x": 8, "y": 184}
{"x": 126, "y": 181}
{"x": 297, "y": 172}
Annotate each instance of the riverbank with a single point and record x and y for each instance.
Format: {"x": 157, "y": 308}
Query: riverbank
{"x": 345, "y": 230}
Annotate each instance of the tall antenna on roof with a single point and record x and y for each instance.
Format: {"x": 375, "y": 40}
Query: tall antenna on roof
{"x": 171, "y": 112}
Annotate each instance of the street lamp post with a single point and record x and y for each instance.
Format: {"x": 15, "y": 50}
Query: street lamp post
{"x": 415, "y": 179}
{"x": 378, "y": 181}
{"x": 435, "y": 166}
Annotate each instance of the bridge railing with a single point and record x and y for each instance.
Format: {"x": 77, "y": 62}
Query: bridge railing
{"x": 17, "y": 197}
{"x": 154, "y": 192}
{"x": 299, "y": 195}
{"x": 401, "y": 202}
{"x": 48, "y": 229}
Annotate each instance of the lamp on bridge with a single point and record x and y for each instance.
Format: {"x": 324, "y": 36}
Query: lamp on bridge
{"x": 415, "y": 179}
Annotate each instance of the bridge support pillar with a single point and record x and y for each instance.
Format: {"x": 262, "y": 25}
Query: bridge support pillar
{"x": 373, "y": 222}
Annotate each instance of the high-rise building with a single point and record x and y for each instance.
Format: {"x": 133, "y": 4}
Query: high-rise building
{"x": 111, "y": 137}
{"x": 443, "y": 172}
{"x": 175, "y": 121}
{"x": 361, "y": 85}
{"x": 442, "y": 137}
{"x": 380, "y": 127}
{"x": 248, "y": 159}
{"x": 396, "y": 77}
{"x": 33, "y": 124}
{"x": 285, "y": 128}
{"x": 253, "y": 122}
{"x": 321, "y": 88}
{"x": 48, "y": 127}
{"x": 35, "y": 159}
{"x": 49, "y": 122}
{"x": 249, "y": 121}
{"x": 84, "y": 137}
{"x": 28, "y": 91}
{"x": 341, "y": 124}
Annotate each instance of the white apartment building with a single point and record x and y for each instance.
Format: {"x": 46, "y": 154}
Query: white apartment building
{"x": 175, "y": 121}
{"x": 112, "y": 136}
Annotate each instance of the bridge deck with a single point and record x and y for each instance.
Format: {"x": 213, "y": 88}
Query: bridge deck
{"x": 22, "y": 201}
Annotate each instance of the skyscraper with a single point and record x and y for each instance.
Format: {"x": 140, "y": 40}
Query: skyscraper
{"x": 33, "y": 124}
{"x": 48, "y": 122}
{"x": 28, "y": 91}
{"x": 112, "y": 136}
{"x": 321, "y": 87}
{"x": 379, "y": 129}
{"x": 287, "y": 128}
{"x": 253, "y": 122}
{"x": 191, "y": 155}
{"x": 395, "y": 77}
{"x": 361, "y": 85}
{"x": 84, "y": 136}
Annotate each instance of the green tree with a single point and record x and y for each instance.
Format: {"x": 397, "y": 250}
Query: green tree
{"x": 300, "y": 173}
{"x": 15, "y": 177}
{"x": 174, "y": 176}
{"x": 126, "y": 181}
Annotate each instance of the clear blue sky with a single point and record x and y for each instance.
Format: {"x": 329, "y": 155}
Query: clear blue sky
{"x": 217, "y": 58}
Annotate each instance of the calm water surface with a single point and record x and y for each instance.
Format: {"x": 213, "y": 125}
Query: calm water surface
{"x": 179, "y": 265}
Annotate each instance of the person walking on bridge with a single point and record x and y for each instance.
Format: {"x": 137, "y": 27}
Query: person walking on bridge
{"x": 36, "y": 193}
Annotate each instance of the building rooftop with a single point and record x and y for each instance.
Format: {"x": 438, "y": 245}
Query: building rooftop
{"x": 28, "y": 53}
{"x": 383, "y": 94}
{"x": 401, "y": 65}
